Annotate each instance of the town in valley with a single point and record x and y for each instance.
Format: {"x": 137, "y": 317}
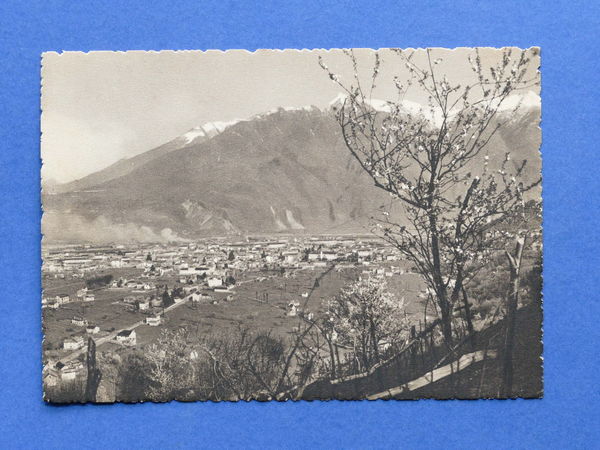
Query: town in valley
{"x": 123, "y": 295}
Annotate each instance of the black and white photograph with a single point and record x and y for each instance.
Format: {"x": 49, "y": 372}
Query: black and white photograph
{"x": 350, "y": 224}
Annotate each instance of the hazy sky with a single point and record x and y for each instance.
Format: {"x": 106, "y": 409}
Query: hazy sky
{"x": 99, "y": 107}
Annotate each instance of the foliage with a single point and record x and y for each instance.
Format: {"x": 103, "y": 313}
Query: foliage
{"x": 236, "y": 366}
{"x": 368, "y": 318}
{"x": 66, "y": 392}
{"x": 167, "y": 300}
{"x": 98, "y": 282}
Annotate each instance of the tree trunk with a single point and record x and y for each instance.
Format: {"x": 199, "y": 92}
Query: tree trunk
{"x": 413, "y": 350}
{"x": 333, "y": 365}
{"x": 446, "y": 323}
{"x": 511, "y": 310}
{"x": 93, "y": 373}
{"x": 468, "y": 317}
{"x": 374, "y": 340}
{"x": 445, "y": 307}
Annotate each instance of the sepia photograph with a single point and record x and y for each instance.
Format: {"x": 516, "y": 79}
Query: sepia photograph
{"x": 350, "y": 224}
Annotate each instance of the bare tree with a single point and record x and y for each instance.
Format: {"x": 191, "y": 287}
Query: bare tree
{"x": 437, "y": 166}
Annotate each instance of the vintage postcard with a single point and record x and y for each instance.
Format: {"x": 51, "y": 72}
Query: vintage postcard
{"x": 291, "y": 225}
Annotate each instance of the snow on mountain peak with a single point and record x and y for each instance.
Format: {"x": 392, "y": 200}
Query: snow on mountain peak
{"x": 209, "y": 129}
{"x": 524, "y": 100}
{"x": 338, "y": 100}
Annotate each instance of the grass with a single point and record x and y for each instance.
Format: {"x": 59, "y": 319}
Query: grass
{"x": 248, "y": 309}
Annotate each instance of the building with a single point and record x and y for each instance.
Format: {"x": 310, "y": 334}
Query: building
{"x": 363, "y": 254}
{"x": 214, "y": 282}
{"x": 62, "y": 372}
{"x": 131, "y": 299}
{"x": 61, "y": 299}
{"x": 51, "y": 305}
{"x": 154, "y": 321}
{"x": 92, "y": 329}
{"x": 222, "y": 289}
{"x": 291, "y": 257}
{"x": 329, "y": 256}
{"x": 127, "y": 337}
{"x": 292, "y": 309}
{"x": 74, "y": 343}
{"x": 79, "y": 321}
{"x": 89, "y": 297}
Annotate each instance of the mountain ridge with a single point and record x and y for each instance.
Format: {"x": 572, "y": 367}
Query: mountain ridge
{"x": 286, "y": 170}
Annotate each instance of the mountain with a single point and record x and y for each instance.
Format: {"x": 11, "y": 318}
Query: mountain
{"x": 127, "y": 165}
{"x": 286, "y": 170}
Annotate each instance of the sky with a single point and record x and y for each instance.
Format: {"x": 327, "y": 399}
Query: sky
{"x": 100, "y": 107}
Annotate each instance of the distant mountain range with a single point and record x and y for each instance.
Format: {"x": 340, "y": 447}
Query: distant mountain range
{"x": 283, "y": 171}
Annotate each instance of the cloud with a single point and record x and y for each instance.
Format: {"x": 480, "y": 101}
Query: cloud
{"x": 58, "y": 227}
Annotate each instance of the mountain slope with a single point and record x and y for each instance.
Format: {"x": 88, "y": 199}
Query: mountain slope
{"x": 284, "y": 171}
{"x": 127, "y": 165}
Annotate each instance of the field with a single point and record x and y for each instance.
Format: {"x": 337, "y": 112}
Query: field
{"x": 259, "y": 302}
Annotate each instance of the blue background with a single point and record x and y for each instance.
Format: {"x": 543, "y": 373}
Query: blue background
{"x": 567, "y": 31}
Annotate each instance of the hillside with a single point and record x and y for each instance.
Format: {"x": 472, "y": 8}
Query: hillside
{"x": 284, "y": 171}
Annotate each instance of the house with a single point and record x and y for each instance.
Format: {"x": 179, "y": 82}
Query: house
{"x": 71, "y": 370}
{"x": 81, "y": 292}
{"x": 131, "y": 299}
{"x": 290, "y": 257}
{"x": 63, "y": 372}
{"x": 74, "y": 343}
{"x": 156, "y": 302}
{"x": 154, "y": 321}
{"x": 363, "y": 253}
{"x": 79, "y": 321}
{"x": 61, "y": 299}
{"x": 92, "y": 329}
{"x": 117, "y": 263}
{"x": 126, "y": 337}
{"x": 89, "y": 297}
{"x": 292, "y": 309}
{"x": 50, "y": 377}
{"x": 214, "y": 282}
{"x": 144, "y": 305}
{"x": 329, "y": 256}
{"x": 222, "y": 289}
